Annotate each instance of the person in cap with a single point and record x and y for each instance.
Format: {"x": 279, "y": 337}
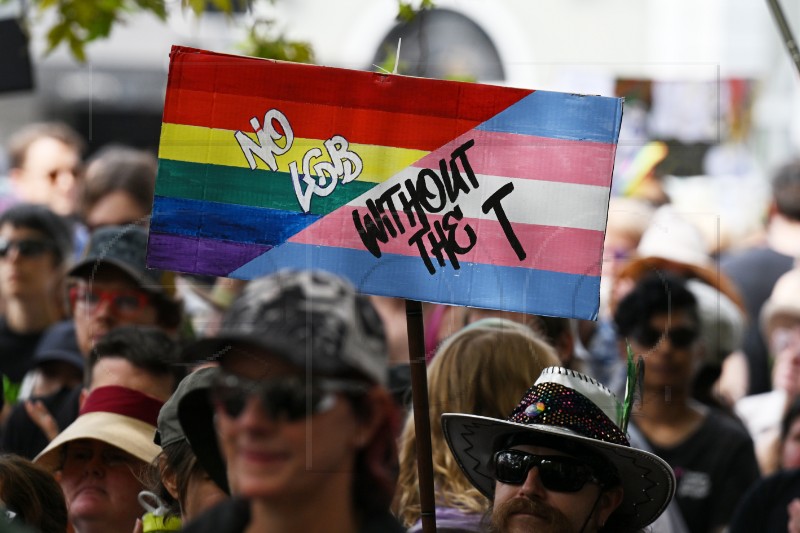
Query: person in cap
{"x": 780, "y": 325}
{"x": 561, "y": 461}
{"x": 181, "y": 481}
{"x": 35, "y": 250}
{"x": 709, "y": 449}
{"x": 303, "y": 420}
{"x": 102, "y": 456}
{"x": 137, "y": 357}
{"x": 111, "y": 286}
{"x": 482, "y": 369}
{"x": 57, "y": 362}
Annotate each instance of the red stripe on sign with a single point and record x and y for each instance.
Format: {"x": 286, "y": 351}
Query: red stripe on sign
{"x": 557, "y": 249}
{"x": 315, "y": 121}
{"x": 529, "y": 157}
{"x": 203, "y": 71}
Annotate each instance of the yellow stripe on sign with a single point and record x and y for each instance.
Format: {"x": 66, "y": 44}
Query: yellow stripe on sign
{"x": 210, "y": 146}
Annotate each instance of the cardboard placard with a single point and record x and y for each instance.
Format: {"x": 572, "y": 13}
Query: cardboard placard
{"x": 424, "y": 189}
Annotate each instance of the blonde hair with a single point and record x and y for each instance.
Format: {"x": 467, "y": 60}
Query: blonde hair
{"x": 484, "y": 369}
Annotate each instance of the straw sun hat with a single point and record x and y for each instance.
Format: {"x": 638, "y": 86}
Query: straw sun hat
{"x": 118, "y": 416}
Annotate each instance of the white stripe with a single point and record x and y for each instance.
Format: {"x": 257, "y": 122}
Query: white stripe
{"x": 537, "y": 202}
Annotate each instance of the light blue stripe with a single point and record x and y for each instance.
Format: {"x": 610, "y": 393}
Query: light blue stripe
{"x": 561, "y": 116}
{"x": 478, "y": 285}
{"x": 227, "y": 222}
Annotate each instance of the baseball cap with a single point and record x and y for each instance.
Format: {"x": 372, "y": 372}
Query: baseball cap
{"x": 124, "y": 247}
{"x": 309, "y": 318}
{"x": 59, "y": 344}
{"x": 169, "y": 430}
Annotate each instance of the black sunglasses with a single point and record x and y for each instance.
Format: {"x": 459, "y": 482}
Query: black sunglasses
{"x": 558, "y": 473}
{"x": 678, "y": 337}
{"x": 26, "y": 247}
{"x": 287, "y": 398}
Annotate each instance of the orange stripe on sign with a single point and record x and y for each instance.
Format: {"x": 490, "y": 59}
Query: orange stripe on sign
{"x": 315, "y": 121}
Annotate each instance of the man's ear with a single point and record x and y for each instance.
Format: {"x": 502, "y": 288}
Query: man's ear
{"x": 610, "y": 499}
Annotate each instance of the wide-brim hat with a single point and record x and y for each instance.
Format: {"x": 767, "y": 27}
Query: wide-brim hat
{"x": 118, "y": 416}
{"x": 566, "y": 410}
{"x": 672, "y": 243}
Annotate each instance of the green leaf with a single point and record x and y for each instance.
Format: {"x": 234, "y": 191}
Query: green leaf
{"x": 226, "y": 6}
{"x": 76, "y": 46}
{"x": 157, "y": 7}
{"x": 405, "y": 12}
{"x": 57, "y": 34}
{"x": 260, "y": 42}
{"x": 45, "y": 4}
{"x": 197, "y": 6}
{"x": 99, "y": 27}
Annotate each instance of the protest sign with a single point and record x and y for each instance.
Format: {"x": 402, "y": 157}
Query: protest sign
{"x": 424, "y": 189}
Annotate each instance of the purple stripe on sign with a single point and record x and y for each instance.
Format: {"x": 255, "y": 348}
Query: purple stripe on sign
{"x": 193, "y": 254}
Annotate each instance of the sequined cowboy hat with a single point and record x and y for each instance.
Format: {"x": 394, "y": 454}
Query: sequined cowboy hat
{"x": 568, "y": 411}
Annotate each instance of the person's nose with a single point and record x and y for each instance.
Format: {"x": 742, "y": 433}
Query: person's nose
{"x": 104, "y": 309}
{"x": 95, "y": 466}
{"x": 254, "y": 416}
{"x": 532, "y": 487}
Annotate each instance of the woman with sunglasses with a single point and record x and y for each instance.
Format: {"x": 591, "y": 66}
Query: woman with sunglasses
{"x": 305, "y": 426}
{"x": 710, "y": 451}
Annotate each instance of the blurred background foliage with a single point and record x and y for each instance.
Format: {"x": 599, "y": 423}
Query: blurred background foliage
{"x": 79, "y": 22}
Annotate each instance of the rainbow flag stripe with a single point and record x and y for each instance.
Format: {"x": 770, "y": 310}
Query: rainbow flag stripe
{"x": 465, "y": 194}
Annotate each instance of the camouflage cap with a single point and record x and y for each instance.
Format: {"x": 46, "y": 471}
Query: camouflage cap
{"x": 124, "y": 247}
{"x": 309, "y": 318}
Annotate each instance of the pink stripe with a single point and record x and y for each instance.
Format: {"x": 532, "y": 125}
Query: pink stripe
{"x": 529, "y": 157}
{"x": 557, "y": 249}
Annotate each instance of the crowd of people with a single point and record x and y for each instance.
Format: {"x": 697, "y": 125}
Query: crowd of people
{"x": 137, "y": 400}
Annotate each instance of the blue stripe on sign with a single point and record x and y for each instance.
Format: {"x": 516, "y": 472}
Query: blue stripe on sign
{"x": 478, "y": 285}
{"x": 561, "y": 116}
{"x": 227, "y": 222}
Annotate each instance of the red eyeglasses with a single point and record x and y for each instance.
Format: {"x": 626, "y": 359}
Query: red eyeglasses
{"x": 123, "y": 302}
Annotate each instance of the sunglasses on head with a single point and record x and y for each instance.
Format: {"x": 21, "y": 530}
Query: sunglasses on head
{"x": 558, "y": 473}
{"x": 124, "y": 302}
{"x": 678, "y": 337}
{"x": 286, "y": 398}
{"x": 26, "y": 247}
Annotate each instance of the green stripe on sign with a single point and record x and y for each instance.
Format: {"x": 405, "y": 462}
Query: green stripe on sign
{"x": 242, "y": 186}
